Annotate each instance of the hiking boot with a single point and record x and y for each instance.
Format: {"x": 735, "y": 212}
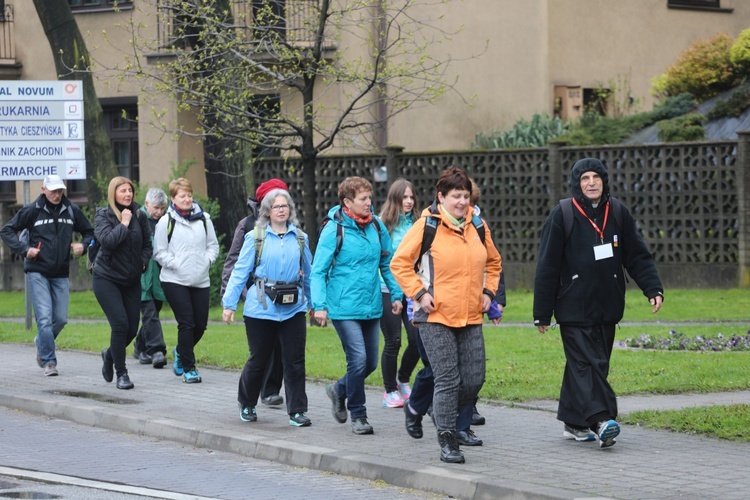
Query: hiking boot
{"x": 299, "y": 420}
{"x": 247, "y": 414}
{"x": 468, "y": 438}
{"x": 449, "y": 450}
{"x": 50, "y": 370}
{"x": 360, "y": 425}
{"x": 607, "y": 431}
{"x": 177, "y": 364}
{"x": 108, "y": 370}
{"x": 191, "y": 377}
{"x": 339, "y": 404}
{"x": 579, "y": 435}
{"x": 405, "y": 390}
{"x": 272, "y": 400}
{"x": 145, "y": 359}
{"x": 159, "y": 360}
{"x": 392, "y": 400}
{"x": 123, "y": 382}
{"x": 413, "y": 423}
{"x": 476, "y": 418}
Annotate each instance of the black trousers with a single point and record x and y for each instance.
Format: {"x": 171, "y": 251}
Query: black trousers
{"x": 121, "y": 304}
{"x": 274, "y": 374}
{"x": 262, "y": 336}
{"x": 190, "y": 307}
{"x": 390, "y": 325}
{"x": 150, "y": 338}
{"x": 586, "y": 396}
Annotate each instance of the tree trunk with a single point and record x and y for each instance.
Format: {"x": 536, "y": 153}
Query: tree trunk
{"x": 226, "y": 184}
{"x": 69, "y": 52}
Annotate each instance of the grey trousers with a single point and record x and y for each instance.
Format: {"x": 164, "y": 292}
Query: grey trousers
{"x": 458, "y": 363}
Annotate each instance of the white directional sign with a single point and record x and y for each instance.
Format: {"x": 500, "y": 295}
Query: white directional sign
{"x": 41, "y": 130}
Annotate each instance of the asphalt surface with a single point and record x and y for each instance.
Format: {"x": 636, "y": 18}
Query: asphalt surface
{"x": 524, "y": 454}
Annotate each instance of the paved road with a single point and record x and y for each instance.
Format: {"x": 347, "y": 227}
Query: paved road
{"x": 96, "y": 463}
{"x": 524, "y": 455}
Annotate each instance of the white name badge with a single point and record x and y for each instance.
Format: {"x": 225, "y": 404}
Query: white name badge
{"x": 602, "y": 252}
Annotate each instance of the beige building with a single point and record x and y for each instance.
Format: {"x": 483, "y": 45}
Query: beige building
{"x": 512, "y": 58}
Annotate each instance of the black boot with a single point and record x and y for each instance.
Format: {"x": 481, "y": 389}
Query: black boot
{"x": 413, "y": 423}
{"x": 449, "y": 451}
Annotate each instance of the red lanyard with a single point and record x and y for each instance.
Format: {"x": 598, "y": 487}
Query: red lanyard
{"x": 600, "y": 232}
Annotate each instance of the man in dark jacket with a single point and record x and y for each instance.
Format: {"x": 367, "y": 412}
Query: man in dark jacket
{"x": 274, "y": 376}
{"x": 50, "y": 222}
{"x": 580, "y": 279}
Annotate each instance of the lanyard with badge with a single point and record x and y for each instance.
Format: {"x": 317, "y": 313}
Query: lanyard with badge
{"x": 604, "y": 250}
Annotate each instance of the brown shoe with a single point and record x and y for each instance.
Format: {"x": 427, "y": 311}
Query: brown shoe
{"x": 50, "y": 370}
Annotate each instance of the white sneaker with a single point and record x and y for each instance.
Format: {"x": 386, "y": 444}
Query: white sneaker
{"x": 392, "y": 400}
{"x": 579, "y": 435}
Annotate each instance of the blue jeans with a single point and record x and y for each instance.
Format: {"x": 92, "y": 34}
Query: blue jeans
{"x": 50, "y": 297}
{"x": 360, "y": 340}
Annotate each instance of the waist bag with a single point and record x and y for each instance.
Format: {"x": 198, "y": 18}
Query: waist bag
{"x": 283, "y": 292}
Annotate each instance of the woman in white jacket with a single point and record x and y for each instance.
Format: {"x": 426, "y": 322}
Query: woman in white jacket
{"x": 185, "y": 245}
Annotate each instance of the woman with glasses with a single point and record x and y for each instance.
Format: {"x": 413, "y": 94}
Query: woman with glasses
{"x": 353, "y": 247}
{"x": 275, "y": 260}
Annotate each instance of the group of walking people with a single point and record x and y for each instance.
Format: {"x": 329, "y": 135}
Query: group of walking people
{"x": 434, "y": 272}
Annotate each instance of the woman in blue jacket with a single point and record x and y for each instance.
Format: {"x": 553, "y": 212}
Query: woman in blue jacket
{"x": 352, "y": 248}
{"x": 276, "y": 258}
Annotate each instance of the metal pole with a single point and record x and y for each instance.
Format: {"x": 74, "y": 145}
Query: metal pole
{"x": 27, "y": 295}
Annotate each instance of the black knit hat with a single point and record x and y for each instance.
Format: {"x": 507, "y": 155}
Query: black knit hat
{"x": 581, "y": 167}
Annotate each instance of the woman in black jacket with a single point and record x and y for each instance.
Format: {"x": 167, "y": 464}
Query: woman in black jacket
{"x": 125, "y": 239}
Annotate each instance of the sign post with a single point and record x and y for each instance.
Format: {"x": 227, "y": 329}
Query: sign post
{"x": 41, "y": 133}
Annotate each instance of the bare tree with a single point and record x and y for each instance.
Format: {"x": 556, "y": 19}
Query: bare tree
{"x": 70, "y": 53}
{"x": 259, "y": 75}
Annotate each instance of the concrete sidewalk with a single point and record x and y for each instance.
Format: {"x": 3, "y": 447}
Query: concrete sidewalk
{"x": 524, "y": 454}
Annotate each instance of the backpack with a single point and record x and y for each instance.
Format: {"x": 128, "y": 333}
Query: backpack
{"x": 430, "y": 228}
{"x": 339, "y": 217}
{"x": 567, "y": 211}
{"x": 170, "y": 226}
{"x": 260, "y": 239}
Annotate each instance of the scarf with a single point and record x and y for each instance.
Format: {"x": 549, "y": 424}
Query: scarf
{"x": 185, "y": 214}
{"x": 459, "y": 223}
{"x": 360, "y": 221}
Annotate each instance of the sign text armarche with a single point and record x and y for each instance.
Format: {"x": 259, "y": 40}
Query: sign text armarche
{"x": 41, "y": 130}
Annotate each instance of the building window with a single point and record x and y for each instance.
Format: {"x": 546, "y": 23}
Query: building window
{"x": 265, "y": 109}
{"x": 121, "y": 123}
{"x": 697, "y": 5}
{"x": 99, "y": 5}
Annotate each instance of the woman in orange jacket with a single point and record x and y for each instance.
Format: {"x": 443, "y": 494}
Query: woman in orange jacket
{"x": 452, "y": 285}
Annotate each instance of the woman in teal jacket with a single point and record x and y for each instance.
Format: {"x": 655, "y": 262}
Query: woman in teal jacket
{"x": 345, "y": 285}
{"x": 398, "y": 214}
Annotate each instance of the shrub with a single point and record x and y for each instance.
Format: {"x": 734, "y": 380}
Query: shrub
{"x": 534, "y": 134}
{"x": 737, "y": 103}
{"x": 739, "y": 54}
{"x": 682, "y": 129}
{"x": 673, "y": 106}
{"x": 703, "y": 70}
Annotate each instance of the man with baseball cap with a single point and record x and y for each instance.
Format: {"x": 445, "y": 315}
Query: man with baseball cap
{"x": 272, "y": 379}
{"x": 47, "y": 227}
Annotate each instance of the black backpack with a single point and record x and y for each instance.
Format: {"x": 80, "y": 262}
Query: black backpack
{"x": 430, "y": 228}
{"x": 566, "y": 205}
{"x": 339, "y": 217}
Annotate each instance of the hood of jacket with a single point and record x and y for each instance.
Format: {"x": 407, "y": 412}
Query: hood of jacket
{"x": 581, "y": 167}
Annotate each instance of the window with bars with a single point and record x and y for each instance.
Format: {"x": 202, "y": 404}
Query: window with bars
{"x": 99, "y": 5}
{"x": 695, "y": 4}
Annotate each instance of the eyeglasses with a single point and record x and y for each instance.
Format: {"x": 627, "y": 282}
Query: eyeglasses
{"x": 279, "y": 208}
